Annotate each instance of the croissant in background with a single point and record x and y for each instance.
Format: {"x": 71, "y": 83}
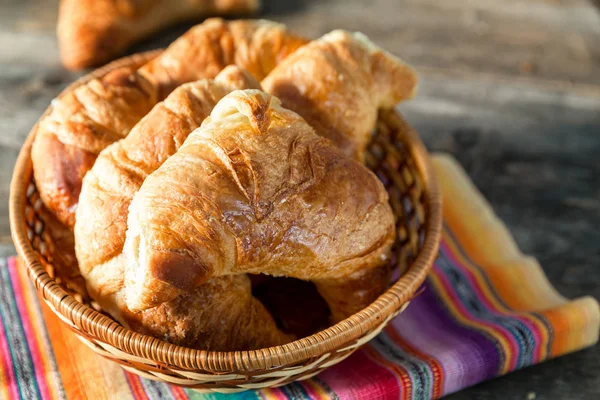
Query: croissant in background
{"x": 255, "y": 190}
{"x": 194, "y": 319}
{"x": 92, "y": 32}
{"x": 86, "y": 120}
{"x": 338, "y": 83}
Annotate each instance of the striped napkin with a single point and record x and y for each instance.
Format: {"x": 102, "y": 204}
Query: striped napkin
{"x": 486, "y": 310}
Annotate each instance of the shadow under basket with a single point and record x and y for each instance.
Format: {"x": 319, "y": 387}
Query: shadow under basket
{"x": 398, "y": 158}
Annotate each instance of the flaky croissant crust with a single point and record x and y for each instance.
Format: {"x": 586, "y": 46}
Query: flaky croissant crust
{"x": 338, "y": 83}
{"x": 254, "y": 190}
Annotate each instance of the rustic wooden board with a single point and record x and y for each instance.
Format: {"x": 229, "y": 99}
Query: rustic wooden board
{"x": 511, "y": 88}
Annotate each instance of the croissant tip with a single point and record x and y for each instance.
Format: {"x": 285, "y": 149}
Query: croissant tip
{"x": 260, "y": 106}
{"x": 253, "y": 104}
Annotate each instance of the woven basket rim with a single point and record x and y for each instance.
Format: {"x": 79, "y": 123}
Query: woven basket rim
{"x": 92, "y": 323}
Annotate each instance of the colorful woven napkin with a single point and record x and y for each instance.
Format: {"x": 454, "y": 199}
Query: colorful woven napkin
{"x": 486, "y": 310}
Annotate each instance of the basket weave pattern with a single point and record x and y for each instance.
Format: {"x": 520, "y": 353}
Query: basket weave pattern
{"x": 398, "y": 158}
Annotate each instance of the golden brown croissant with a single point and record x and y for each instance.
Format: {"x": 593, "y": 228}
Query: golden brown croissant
{"x": 92, "y": 32}
{"x": 255, "y": 190}
{"x": 220, "y": 315}
{"x": 81, "y": 124}
{"x": 338, "y": 83}
{"x": 192, "y": 319}
{"x": 86, "y": 120}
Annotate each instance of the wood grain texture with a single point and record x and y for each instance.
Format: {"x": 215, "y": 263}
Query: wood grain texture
{"x": 511, "y": 88}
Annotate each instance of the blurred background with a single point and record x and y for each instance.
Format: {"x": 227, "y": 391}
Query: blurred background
{"x": 511, "y": 88}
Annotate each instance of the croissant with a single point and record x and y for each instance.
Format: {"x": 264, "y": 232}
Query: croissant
{"x": 92, "y": 32}
{"x": 337, "y": 84}
{"x": 193, "y": 319}
{"x": 255, "y": 190}
{"x": 86, "y": 120}
{"x": 220, "y": 315}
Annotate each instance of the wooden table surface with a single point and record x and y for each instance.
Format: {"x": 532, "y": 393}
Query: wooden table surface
{"x": 511, "y": 88}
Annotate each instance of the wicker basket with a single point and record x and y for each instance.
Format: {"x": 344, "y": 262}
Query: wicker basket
{"x": 399, "y": 159}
